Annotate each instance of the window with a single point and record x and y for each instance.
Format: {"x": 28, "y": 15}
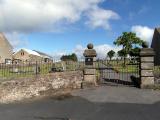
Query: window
{"x": 16, "y": 61}
{"x": 22, "y": 53}
{"x": 8, "y": 61}
{"x": 46, "y": 60}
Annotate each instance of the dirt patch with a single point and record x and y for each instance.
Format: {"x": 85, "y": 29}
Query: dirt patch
{"x": 61, "y": 95}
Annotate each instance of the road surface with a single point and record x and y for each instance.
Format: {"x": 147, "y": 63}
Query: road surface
{"x": 100, "y": 103}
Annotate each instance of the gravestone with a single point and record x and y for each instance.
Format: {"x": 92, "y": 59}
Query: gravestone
{"x": 90, "y": 66}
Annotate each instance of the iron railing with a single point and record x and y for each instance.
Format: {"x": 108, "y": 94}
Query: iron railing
{"x": 119, "y": 72}
{"x": 29, "y": 69}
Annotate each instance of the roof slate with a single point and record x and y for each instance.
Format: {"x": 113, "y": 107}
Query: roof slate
{"x": 43, "y": 54}
{"x": 31, "y": 52}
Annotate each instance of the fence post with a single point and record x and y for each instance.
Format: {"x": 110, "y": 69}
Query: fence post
{"x": 146, "y": 67}
{"x": 36, "y": 68}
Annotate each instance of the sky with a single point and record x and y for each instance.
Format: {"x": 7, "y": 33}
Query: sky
{"x": 59, "y": 27}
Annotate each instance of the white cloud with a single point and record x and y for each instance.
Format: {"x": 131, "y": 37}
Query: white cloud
{"x": 48, "y": 15}
{"x": 100, "y": 49}
{"x": 100, "y": 18}
{"x": 79, "y": 50}
{"x": 58, "y": 54}
{"x": 17, "y": 40}
{"x": 144, "y": 32}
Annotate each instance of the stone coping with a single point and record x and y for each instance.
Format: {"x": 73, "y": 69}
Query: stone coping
{"x": 145, "y": 52}
{"x": 90, "y": 53}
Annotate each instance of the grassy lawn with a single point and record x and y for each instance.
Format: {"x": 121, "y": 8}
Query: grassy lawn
{"x": 23, "y": 71}
{"x": 157, "y": 69}
{"x": 127, "y": 69}
{"x": 5, "y": 74}
{"x": 18, "y": 71}
{"x": 119, "y": 66}
{"x": 72, "y": 66}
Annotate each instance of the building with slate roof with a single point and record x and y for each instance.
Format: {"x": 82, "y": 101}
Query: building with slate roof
{"x": 156, "y": 45}
{"x": 30, "y": 56}
{"x": 44, "y": 55}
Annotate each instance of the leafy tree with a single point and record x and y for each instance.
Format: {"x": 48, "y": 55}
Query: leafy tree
{"x": 129, "y": 41}
{"x": 134, "y": 52}
{"x": 121, "y": 54}
{"x": 72, "y": 57}
{"x": 145, "y": 44}
{"x": 111, "y": 54}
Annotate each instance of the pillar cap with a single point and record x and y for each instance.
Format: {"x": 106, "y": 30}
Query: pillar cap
{"x": 145, "y": 52}
{"x": 90, "y": 46}
{"x": 90, "y": 52}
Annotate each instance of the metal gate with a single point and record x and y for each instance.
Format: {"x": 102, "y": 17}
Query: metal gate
{"x": 119, "y": 72}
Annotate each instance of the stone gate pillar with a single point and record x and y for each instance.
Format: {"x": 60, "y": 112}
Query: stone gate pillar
{"x": 90, "y": 66}
{"x": 146, "y": 67}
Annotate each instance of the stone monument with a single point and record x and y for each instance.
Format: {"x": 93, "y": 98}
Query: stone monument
{"x": 146, "y": 67}
{"x": 90, "y": 66}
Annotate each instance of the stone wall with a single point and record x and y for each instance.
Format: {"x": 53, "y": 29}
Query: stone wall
{"x": 5, "y": 49}
{"x": 16, "y": 90}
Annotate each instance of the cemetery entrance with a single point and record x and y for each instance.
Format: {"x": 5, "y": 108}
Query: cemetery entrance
{"x": 119, "y": 71}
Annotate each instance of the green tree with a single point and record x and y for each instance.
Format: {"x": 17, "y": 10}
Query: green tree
{"x": 121, "y": 54}
{"x": 128, "y": 41}
{"x": 111, "y": 54}
{"x": 72, "y": 57}
{"x": 145, "y": 44}
{"x": 134, "y": 52}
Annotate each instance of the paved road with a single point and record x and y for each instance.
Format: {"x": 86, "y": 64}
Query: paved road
{"x": 101, "y": 103}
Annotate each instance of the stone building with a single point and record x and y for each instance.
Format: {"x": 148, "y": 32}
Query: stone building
{"x": 30, "y": 56}
{"x": 156, "y": 45}
{"x": 6, "y": 50}
{"x": 46, "y": 57}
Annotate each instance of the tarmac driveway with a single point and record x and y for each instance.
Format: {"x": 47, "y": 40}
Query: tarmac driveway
{"x": 101, "y": 103}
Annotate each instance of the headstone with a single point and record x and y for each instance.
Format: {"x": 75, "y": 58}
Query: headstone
{"x": 15, "y": 70}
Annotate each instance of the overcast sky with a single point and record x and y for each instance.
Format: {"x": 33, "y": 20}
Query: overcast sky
{"x": 60, "y": 27}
